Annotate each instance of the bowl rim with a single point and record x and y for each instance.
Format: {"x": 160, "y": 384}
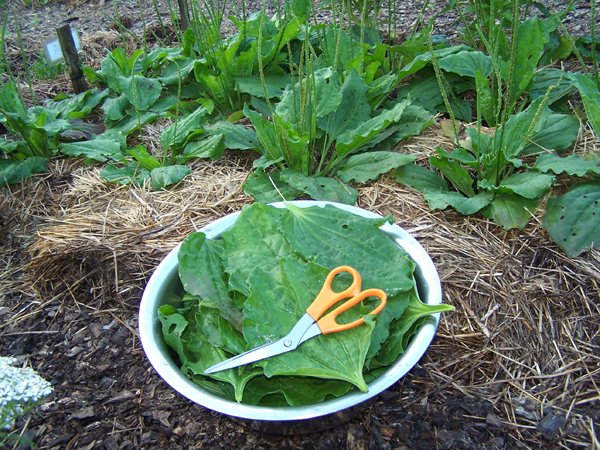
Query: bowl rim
{"x": 151, "y": 337}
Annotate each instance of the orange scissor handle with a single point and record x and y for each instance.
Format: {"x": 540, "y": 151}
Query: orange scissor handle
{"x": 329, "y": 324}
{"x": 328, "y": 297}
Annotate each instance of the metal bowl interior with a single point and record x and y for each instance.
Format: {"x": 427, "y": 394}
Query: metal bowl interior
{"x": 165, "y": 281}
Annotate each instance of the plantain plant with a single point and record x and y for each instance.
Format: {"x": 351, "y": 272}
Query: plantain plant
{"x": 505, "y": 169}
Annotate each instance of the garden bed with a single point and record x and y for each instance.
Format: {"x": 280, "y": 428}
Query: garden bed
{"x": 515, "y": 366}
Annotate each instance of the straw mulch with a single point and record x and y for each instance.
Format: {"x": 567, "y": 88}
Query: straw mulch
{"x": 522, "y": 345}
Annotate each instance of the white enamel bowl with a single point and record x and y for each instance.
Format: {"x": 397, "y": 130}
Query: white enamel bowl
{"x": 286, "y": 420}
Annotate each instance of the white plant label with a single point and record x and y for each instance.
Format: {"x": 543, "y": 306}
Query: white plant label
{"x": 53, "y": 51}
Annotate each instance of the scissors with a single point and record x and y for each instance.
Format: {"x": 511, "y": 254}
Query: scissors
{"x": 313, "y": 322}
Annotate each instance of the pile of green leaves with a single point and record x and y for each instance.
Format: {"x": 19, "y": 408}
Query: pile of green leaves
{"x": 249, "y": 287}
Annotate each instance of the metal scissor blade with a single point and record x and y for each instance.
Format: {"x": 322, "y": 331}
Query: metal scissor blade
{"x": 301, "y": 332}
{"x": 256, "y": 354}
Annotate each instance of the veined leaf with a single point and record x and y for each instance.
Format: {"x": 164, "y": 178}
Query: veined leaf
{"x": 202, "y": 354}
{"x": 143, "y": 157}
{"x": 530, "y": 185}
{"x": 142, "y": 92}
{"x": 557, "y": 80}
{"x": 512, "y": 137}
{"x": 591, "y": 98}
{"x": 351, "y": 140}
{"x": 97, "y": 149}
{"x": 317, "y": 95}
{"x": 274, "y": 84}
{"x": 177, "y": 133}
{"x": 80, "y": 105}
{"x": 253, "y": 245}
{"x": 456, "y": 173}
{"x": 114, "y": 108}
{"x": 201, "y": 273}
{"x": 266, "y": 132}
{"x": 162, "y": 177}
{"x": 571, "y": 165}
{"x": 368, "y": 166}
{"x": 420, "y": 178}
{"x": 463, "y": 205}
{"x": 510, "y": 210}
{"x": 531, "y": 38}
{"x": 210, "y": 147}
{"x": 235, "y": 136}
{"x": 352, "y": 111}
{"x": 573, "y": 219}
{"x": 333, "y": 237}
{"x": 132, "y": 121}
{"x": 268, "y": 187}
{"x": 395, "y": 345}
{"x": 14, "y": 170}
{"x": 131, "y": 173}
{"x": 414, "y": 120}
{"x": 320, "y": 188}
{"x": 292, "y": 391}
{"x": 278, "y": 302}
{"x": 556, "y": 132}
{"x": 467, "y": 63}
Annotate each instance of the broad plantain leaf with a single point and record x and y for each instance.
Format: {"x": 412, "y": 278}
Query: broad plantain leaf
{"x": 573, "y": 219}
{"x": 210, "y": 147}
{"x": 459, "y": 176}
{"x": 277, "y": 302}
{"x": 162, "y": 177}
{"x": 177, "y": 133}
{"x": 353, "y": 139}
{"x": 292, "y": 391}
{"x": 320, "y": 188}
{"x": 395, "y": 344}
{"x": 130, "y": 173}
{"x": 97, "y": 149}
{"x": 590, "y": 94}
{"x": 467, "y": 63}
{"x": 142, "y": 92}
{"x": 334, "y": 237}
{"x": 368, "y": 166}
{"x": 352, "y": 111}
{"x": 510, "y": 210}
{"x": 253, "y": 245}
{"x": 268, "y": 187}
{"x": 274, "y": 84}
{"x": 420, "y": 178}
{"x": 201, "y": 273}
{"x": 319, "y": 94}
{"x": 571, "y": 165}
{"x": 530, "y": 185}
{"x": 235, "y": 136}
{"x": 14, "y": 170}
{"x": 462, "y": 204}
{"x": 556, "y": 132}
{"x": 557, "y": 81}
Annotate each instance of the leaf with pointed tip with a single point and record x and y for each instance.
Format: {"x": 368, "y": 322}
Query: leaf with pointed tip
{"x": 320, "y": 188}
{"x": 368, "y": 166}
{"x": 571, "y": 165}
{"x": 510, "y": 210}
{"x": 573, "y": 219}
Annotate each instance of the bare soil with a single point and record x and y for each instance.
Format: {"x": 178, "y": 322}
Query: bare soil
{"x": 516, "y": 366}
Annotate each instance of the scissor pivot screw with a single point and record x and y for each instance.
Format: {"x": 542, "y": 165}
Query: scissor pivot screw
{"x": 287, "y": 343}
